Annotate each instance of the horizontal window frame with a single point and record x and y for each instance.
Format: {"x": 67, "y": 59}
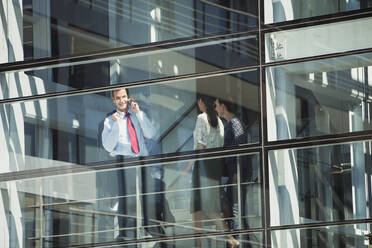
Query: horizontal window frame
{"x": 238, "y": 232}
{"x": 147, "y": 161}
{"x": 317, "y": 57}
{"x": 107, "y": 54}
{"x": 172, "y": 238}
{"x": 321, "y": 224}
{"x": 169, "y": 79}
{"x": 317, "y": 141}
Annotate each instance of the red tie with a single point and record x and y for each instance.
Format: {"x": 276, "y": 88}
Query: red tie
{"x": 132, "y": 135}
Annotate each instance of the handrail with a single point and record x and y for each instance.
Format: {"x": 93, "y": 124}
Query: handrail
{"x": 175, "y": 124}
{"x": 184, "y": 143}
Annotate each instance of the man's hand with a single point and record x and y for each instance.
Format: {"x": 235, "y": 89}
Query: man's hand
{"x": 135, "y": 107}
{"x": 115, "y": 116}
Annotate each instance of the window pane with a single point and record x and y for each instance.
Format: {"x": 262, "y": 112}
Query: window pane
{"x": 318, "y": 40}
{"x": 280, "y": 11}
{"x": 162, "y": 62}
{"x": 251, "y": 240}
{"x": 328, "y": 183}
{"x": 330, "y": 96}
{"x": 44, "y": 28}
{"x": 80, "y": 129}
{"x": 129, "y": 203}
{"x": 327, "y": 236}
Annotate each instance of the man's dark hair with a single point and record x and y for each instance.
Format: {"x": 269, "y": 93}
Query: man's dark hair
{"x": 230, "y": 106}
{"x": 123, "y": 88}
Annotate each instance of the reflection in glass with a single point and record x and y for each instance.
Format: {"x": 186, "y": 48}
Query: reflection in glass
{"x": 279, "y": 11}
{"x": 67, "y": 131}
{"x": 162, "y": 62}
{"x": 328, "y": 236}
{"x": 318, "y": 40}
{"x": 330, "y": 96}
{"x": 251, "y": 240}
{"x": 209, "y": 132}
{"x": 328, "y": 183}
{"x": 126, "y": 203}
{"x": 44, "y": 29}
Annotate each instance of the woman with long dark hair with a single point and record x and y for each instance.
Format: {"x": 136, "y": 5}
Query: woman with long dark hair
{"x": 206, "y": 174}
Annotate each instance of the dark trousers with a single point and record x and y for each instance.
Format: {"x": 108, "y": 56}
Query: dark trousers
{"x": 127, "y": 219}
{"x": 155, "y": 205}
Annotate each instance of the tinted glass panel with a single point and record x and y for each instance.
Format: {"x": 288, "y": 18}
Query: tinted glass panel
{"x": 42, "y": 29}
{"x": 330, "y": 96}
{"x": 166, "y": 61}
{"x": 251, "y": 240}
{"x": 135, "y": 203}
{"x": 81, "y": 129}
{"x": 281, "y": 10}
{"x": 328, "y": 183}
{"x": 318, "y": 40}
{"x": 327, "y": 236}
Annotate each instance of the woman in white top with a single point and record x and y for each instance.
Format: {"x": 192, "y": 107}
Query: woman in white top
{"x": 206, "y": 174}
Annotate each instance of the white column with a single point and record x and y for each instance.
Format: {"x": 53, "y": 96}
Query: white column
{"x": 11, "y": 124}
{"x": 283, "y": 177}
{"x": 359, "y": 178}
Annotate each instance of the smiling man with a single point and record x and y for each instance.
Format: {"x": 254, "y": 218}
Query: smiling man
{"x": 125, "y": 130}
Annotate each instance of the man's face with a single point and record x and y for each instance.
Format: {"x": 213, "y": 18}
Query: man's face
{"x": 218, "y": 108}
{"x": 120, "y": 98}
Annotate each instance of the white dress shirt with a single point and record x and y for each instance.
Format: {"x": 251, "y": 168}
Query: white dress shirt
{"x": 115, "y": 135}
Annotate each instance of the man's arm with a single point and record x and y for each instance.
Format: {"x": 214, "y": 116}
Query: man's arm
{"x": 148, "y": 129}
{"x": 239, "y": 132}
{"x": 110, "y": 134}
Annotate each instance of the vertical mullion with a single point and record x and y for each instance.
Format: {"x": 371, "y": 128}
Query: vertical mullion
{"x": 263, "y": 130}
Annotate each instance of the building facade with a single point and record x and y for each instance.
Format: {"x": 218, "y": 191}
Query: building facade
{"x": 289, "y": 79}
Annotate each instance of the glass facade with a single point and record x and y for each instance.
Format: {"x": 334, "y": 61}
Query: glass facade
{"x": 318, "y": 40}
{"x": 54, "y": 28}
{"x": 323, "y": 190}
{"x": 320, "y": 97}
{"x": 185, "y": 123}
{"x": 330, "y": 236}
{"x": 281, "y": 11}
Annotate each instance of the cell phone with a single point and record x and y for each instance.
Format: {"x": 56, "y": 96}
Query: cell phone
{"x": 131, "y": 100}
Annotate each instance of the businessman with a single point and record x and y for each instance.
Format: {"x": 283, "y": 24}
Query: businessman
{"x": 124, "y": 134}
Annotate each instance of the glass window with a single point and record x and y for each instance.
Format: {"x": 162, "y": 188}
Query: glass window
{"x": 327, "y": 183}
{"x": 44, "y": 29}
{"x": 119, "y": 204}
{"x": 283, "y": 10}
{"x": 251, "y": 240}
{"x": 318, "y": 40}
{"x": 168, "y": 117}
{"x": 162, "y": 62}
{"x": 322, "y": 97}
{"x": 328, "y": 236}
